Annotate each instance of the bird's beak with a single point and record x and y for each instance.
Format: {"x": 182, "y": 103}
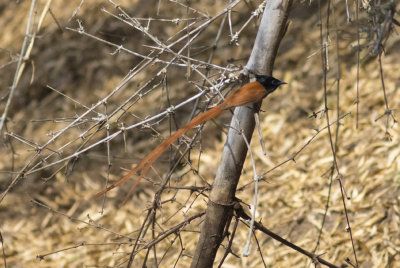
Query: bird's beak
{"x": 282, "y": 83}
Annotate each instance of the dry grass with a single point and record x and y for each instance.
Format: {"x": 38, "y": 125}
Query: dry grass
{"x": 292, "y": 200}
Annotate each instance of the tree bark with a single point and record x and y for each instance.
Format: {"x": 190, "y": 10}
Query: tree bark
{"x": 220, "y": 206}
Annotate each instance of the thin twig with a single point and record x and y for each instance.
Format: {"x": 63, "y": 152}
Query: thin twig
{"x": 20, "y": 65}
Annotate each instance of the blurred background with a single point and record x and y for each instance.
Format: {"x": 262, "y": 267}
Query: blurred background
{"x": 89, "y": 72}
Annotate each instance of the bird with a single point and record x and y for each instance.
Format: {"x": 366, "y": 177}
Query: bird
{"x": 248, "y": 93}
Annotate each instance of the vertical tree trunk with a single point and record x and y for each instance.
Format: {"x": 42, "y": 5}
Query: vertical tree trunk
{"x": 219, "y": 209}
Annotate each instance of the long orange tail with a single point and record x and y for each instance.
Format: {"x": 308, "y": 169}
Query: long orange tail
{"x": 251, "y": 92}
{"x": 155, "y": 154}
